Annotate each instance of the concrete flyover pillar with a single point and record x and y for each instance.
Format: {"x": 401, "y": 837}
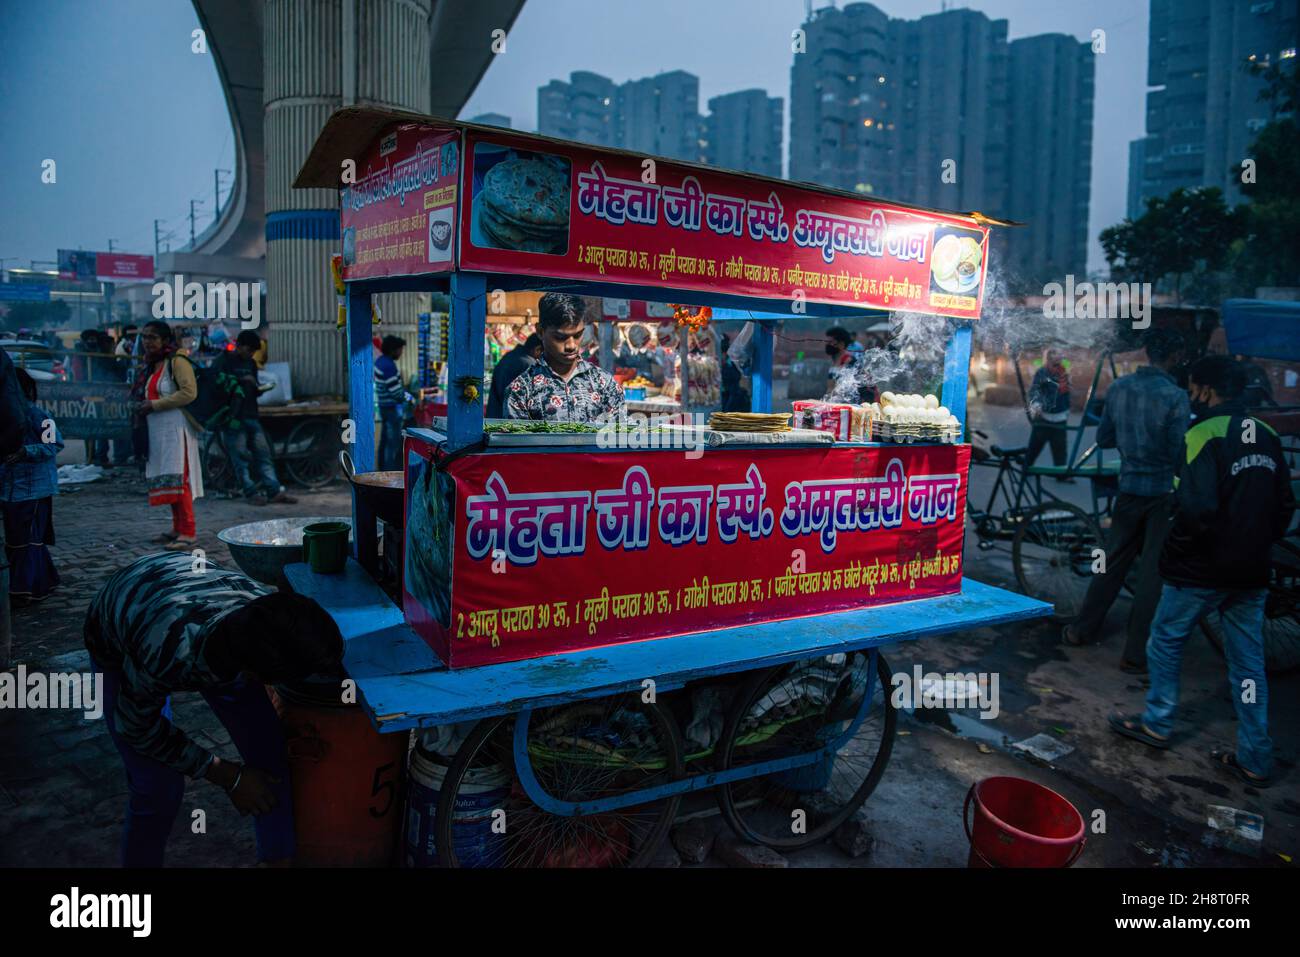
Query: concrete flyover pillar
{"x": 318, "y": 56}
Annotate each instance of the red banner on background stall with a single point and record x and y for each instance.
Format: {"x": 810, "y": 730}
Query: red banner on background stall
{"x": 522, "y": 555}
{"x": 399, "y": 218}
{"x": 536, "y": 207}
{"x": 123, "y": 267}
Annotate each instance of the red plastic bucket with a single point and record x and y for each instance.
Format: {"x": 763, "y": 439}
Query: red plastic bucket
{"x": 1021, "y": 824}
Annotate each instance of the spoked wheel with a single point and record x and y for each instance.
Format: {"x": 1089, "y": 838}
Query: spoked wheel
{"x": 797, "y": 709}
{"x": 1281, "y": 619}
{"x": 1053, "y": 555}
{"x": 312, "y": 452}
{"x": 582, "y": 753}
{"x": 217, "y": 472}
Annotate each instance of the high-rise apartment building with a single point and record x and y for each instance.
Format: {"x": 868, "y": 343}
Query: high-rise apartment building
{"x": 581, "y": 109}
{"x": 743, "y": 132}
{"x": 927, "y": 111}
{"x": 1049, "y": 157}
{"x": 842, "y": 120}
{"x": 1203, "y": 108}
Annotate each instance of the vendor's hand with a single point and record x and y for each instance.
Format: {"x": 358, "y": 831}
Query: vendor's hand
{"x": 255, "y": 793}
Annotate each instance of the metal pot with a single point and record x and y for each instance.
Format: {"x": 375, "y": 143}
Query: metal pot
{"x": 383, "y": 492}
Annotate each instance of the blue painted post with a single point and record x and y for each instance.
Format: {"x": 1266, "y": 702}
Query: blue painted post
{"x": 956, "y": 372}
{"x": 465, "y": 357}
{"x": 761, "y": 375}
{"x": 361, "y": 410}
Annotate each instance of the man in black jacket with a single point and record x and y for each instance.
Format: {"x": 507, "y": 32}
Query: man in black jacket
{"x": 1231, "y": 502}
{"x": 514, "y": 362}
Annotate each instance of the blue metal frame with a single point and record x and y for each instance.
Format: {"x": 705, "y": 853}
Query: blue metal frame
{"x": 691, "y": 783}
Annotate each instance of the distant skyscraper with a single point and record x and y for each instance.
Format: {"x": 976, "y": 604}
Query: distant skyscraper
{"x": 950, "y": 87}
{"x": 660, "y": 115}
{"x": 743, "y": 132}
{"x": 1049, "y": 165}
{"x": 841, "y": 118}
{"x": 888, "y": 107}
{"x": 1137, "y": 161}
{"x": 1203, "y": 109}
{"x": 582, "y": 109}
{"x": 490, "y": 119}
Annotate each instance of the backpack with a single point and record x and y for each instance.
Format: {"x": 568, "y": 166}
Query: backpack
{"x": 219, "y": 395}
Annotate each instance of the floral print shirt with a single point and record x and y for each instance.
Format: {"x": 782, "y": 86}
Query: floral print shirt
{"x": 590, "y": 395}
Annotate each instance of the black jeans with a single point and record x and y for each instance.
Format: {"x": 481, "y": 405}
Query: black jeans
{"x": 1045, "y": 433}
{"x": 1138, "y": 526}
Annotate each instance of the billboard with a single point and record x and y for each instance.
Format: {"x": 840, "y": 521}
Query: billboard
{"x": 77, "y": 264}
{"x": 123, "y": 267}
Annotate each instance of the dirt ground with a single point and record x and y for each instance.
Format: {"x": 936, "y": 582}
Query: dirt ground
{"x": 63, "y": 791}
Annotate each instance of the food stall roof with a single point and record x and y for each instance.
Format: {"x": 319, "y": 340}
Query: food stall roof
{"x": 350, "y": 131}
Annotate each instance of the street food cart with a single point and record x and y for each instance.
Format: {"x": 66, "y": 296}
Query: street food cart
{"x": 576, "y": 607}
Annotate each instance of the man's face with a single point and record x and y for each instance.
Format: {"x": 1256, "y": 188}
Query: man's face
{"x": 562, "y": 344}
{"x": 244, "y": 351}
{"x": 1200, "y": 393}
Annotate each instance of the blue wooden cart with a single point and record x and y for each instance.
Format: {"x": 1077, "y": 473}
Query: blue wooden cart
{"x": 580, "y": 758}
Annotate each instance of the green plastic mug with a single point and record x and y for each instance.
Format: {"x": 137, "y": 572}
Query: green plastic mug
{"x": 325, "y": 546}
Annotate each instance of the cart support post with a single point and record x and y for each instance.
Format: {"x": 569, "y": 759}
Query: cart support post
{"x": 956, "y": 372}
{"x": 465, "y": 357}
{"x": 761, "y": 374}
{"x": 361, "y": 410}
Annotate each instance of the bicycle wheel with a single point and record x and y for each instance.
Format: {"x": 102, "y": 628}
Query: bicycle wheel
{"x": 1053, "y": 554}
{"x": 312, "y": 452}
{"x": 794, "y": 709}
{"x": 581, "y": 752}
{"x": 217, "y": 473}
{"x": 1281, "y": 625}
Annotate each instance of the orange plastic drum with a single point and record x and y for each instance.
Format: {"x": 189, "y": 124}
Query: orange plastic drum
{"x": 347, "y": 778}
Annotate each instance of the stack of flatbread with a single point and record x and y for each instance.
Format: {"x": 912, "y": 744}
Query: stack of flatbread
{"x": 750, "y": 421}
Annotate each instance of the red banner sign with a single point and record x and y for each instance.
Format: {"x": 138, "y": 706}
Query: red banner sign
{"x": 578, "y": 550}
{"x": 123, "y": 267}
{"x": 540, "y": 208}
{"x": 399, "y": 217}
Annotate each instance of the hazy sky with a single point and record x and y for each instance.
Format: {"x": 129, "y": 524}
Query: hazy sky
{"x": 137, "y": 122}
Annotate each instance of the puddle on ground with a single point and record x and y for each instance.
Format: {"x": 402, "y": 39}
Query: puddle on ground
{"x": 962, "y": 725}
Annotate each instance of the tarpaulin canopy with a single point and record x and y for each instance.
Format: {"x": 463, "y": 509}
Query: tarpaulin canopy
{"x": 1262, "y": 329}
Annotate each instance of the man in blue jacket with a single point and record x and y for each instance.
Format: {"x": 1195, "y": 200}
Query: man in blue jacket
{"x": 1231, "y": 502}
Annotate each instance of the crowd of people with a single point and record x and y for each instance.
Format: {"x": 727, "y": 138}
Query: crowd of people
{"x": 1204, "y": 489}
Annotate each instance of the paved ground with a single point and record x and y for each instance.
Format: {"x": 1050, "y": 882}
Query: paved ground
{"x": 62, "y": 789}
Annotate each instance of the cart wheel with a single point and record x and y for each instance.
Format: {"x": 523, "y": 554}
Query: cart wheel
{"x": 1281, "y": 633}
{"x": 584, "y": 752}
{"x": 1053, "y": 554}
{"x": 312, "y": 451}
{"x": 794, "y": 709}
{"x": 217, "y": 473}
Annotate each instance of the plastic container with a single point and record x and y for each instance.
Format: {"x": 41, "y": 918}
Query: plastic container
{"x": 1021, "y": 824}
{"x": 485, "y": 790}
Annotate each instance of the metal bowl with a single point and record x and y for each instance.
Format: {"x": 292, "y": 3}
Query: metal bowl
{"x": 262, "y": 549}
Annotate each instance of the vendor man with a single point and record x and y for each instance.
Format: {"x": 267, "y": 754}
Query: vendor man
{"x": 161, "y": 625}
{"x": 563, "y": 387}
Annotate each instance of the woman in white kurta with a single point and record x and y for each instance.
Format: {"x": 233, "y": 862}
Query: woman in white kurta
{"x": 165, "y": 385}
